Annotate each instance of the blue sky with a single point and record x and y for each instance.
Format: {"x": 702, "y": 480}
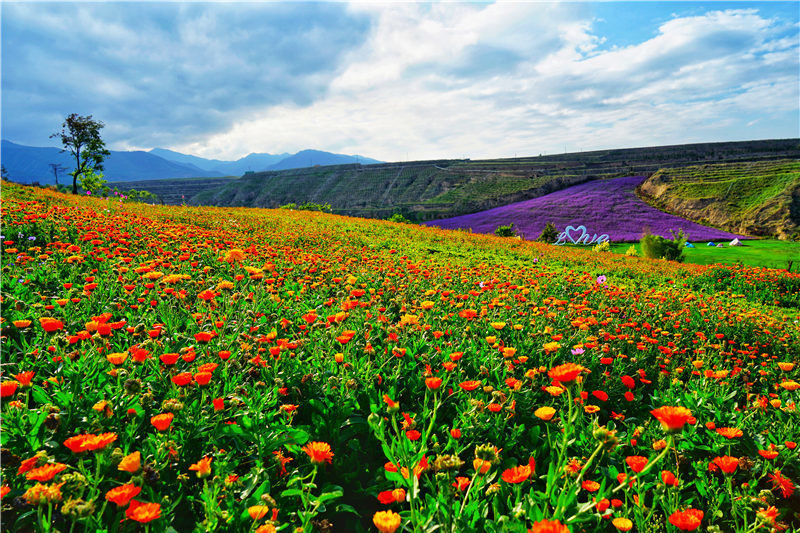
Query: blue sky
{"x": 398, "y": 81}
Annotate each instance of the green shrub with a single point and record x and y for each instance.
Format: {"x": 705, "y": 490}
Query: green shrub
{"x": 549, "y": 234}
{"x": 604, "y": 246}
{"x": 397, "y": 217}
{"x": 658, "y": 247}
{"x": 506, "y": 231}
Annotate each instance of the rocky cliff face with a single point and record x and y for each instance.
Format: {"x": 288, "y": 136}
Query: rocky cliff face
{"x": 777, "y": 216}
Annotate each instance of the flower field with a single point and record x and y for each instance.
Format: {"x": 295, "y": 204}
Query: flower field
{"x": 603, "y": 206}
{"x": 203, "y": 369}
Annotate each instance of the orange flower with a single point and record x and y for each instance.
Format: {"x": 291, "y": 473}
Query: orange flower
{"x": 622, "y": 524}
{"x": 548, "y": 526}
{"x": 433, "y": 383}
{"x": 687, "y": 520}
{"x": 726, "y": 463}
{"x": 545, "y": 413}
{"x": 790, "y": 385}
{"x": 469, "y": 385}
{"x": 131, "y": 463}
{"x": 123, "y": 494}
{"x": 202, "y": 467}
{"x": 386, "y": 521}
{"x": 591, "y": 486}
{"x": 46, "y": 472}
{"x": 566, "y": 373}
{"x": 117, "y": 358}
{"x": 8, "y": 388}
{"x": 784, "y": 484}
{"x": 319, "y": 452}
{"x": 481, "y": 466}
{"x": 391, "y": 496}
{"x": 233, "y": 255}
{"x": 461, "y": 483}
{"x": 25, "y": 378}
{"x": 669, "y": 478}
{"x": 672, "y": 418}
{"x": 79, "y": 443}
{"x": 518, "y": 474}
{"x": 768, "y": 454}
{"x": 162, "y": 421}
{"x": 203, "y": 378}
{"x": 636, "y": 462}
{"x": 257, "y": 512}
{"x": 22, "y": 324}
{"x": 266, "y": 528}
{"x": 182, "y": 379}
{"x": 143, "y": 512}
{"x": 730, "y": 433}
{"x": 98, "y": 442}
{"x": 51, "y": 324}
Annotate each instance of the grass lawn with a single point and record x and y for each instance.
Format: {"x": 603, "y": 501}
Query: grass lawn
{"x": 765, "y": 253}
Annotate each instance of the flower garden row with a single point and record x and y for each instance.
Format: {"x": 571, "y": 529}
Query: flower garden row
{"x": 248, "y": 370}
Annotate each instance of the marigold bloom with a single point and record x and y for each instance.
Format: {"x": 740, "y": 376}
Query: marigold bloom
{"x": 203, "y": 378}
{"x": 622, "y": 524}
{"x": 469, "y": 385}
{"x": 22, "y": 324}
{"x": 25, "y": 378}
{"x": 768, "y": 515}
{"x": 45, "y": 472}
{"x": 319, "y": 452}
{"x": 257, "y": 512}
{"x": 433, "y": 383}
{"x": 266, "y": 528}
{"x": 687, "y": 520}
{"x": 672, "y": 418}
{"x": 79, "y": 443}
{"x": 162, "y": 421}
{"x": 43, "y": 494}
{"x": 202, "y": 467}
{"x": 768, "y": 454}
{"x": 391, "y": 496}
{"x": 548, "y": 526}
{"x": 545, "y": 413}
{"x": 636, "y": 462}
{"x": 123, "y": 494}
{"x": 182, "y": 379}
{"x": 51, "y": 324}
{"x": 234, "y": 254}
{"x": 669, "y": 478}
{"x": 386, "y": 521}
{"x": 143, "y": 512}
{"x": 131, "y": 463}
{"x": 8, "y": 388}
{"x": 98, "y": 442}
{"x": 726, "y": 463}
{"x": 518, "y": 474}
{"x": 481, "y": 466}
{"x": 566, "y": 373}
{"x": 784, "y": 484}
{"x": 117, "y": 358}
{"x": 461, "y": 483}
{"x": 5, "y": 489}
{"x": 730, "y": 433}
{"x": 790, "y": 385}
{"x": 591, "y": 486}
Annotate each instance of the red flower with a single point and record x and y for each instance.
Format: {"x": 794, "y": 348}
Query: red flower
{"x": 636, "y": 462}
{"x": 46, "y": 472}
{"x": 184, "y": 378}
{"x": 669, "y": 478}
{"x": 8, "y": 388}
{"x": 123, "y": 494}
{"x": 687, "y": 520}
{"x": 391, "y": 496}
{"x": 413, "y": 434}
{"x": 730, "y": 433}
{"x": 318, "y": 452}
{"x": 143, "y": 512}
{"x": 726, "y": 463}
{"x": 469, "y": 385}
{"x": 518, "y": 474}
{"x": 784, "y": 484}
{"x": 162, "y": 421}
{"x": 433, "y": 383}
{"x": 461, "y": 483}
{"x": 672, "y": 418}
{"x": 547, "y": 526}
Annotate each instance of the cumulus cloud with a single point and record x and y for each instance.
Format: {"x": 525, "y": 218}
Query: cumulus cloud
{"x": 405, "y": 80}
{"x": 165, "y": 73}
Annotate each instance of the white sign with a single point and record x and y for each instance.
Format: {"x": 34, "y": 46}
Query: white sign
{"x": 579, "y": 235}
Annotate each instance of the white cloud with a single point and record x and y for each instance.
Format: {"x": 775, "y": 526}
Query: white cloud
{"x": 401, "y": 92}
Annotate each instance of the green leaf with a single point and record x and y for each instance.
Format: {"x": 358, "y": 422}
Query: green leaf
{"x": 291, "y": 492}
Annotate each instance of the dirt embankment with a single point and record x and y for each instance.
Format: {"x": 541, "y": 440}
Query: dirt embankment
{"x": 776, "y": 217}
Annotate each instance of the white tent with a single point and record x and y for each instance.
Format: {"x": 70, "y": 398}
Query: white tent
{"x": 735, "y": 242}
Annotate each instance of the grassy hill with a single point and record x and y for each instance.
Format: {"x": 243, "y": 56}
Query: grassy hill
{"x": 429, "y": 190}
{"x": 756, "y": 198}
{"x": 173, "y": 191}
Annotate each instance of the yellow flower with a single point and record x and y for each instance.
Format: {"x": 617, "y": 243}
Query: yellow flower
{"x": 202, "y": 467}
{"x": 386, "y": 521}
{"x": 545, "y": 413}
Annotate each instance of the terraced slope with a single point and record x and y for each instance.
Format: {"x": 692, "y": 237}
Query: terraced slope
{"x": 428, "y": 190}
{"x": 759, "y": 198}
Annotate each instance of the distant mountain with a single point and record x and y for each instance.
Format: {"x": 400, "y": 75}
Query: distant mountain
{"x": 261, "y": 162}
{"x": 310, "y": 158}
{"x": 254, "y": 162}
{"x": 28, "y": 164}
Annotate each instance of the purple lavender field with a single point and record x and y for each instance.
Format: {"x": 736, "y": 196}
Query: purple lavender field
{"x": 603, "y": 206}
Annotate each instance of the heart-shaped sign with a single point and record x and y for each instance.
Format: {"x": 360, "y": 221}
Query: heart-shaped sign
{"x": 579, "y": 235}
